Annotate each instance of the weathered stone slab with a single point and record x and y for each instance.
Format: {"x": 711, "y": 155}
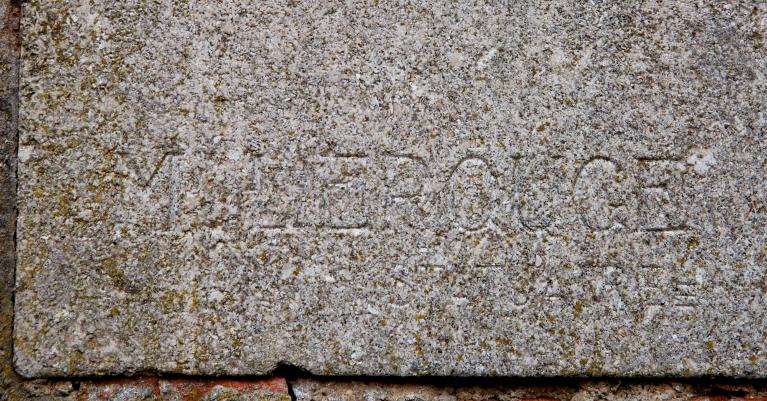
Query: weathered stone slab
{"x": 392, "y": 187}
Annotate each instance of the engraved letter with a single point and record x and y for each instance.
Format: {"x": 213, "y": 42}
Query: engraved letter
{"x": 346, "y": 196}
{"x": 600, "y": 192}
{"x": 660, "y": 181}
{"x": 472, "y": 194}
{"x": 543, "y": 188}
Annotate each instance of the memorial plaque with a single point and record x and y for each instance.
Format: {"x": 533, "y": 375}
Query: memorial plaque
{"x": 392, "y": 188}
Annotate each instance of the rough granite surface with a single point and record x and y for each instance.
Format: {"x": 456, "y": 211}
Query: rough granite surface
{"x": 392, "y": 188}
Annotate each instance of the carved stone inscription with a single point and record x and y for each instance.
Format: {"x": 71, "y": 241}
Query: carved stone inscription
{"x": 388, "y": 188}
{"x": 337, "y": 193}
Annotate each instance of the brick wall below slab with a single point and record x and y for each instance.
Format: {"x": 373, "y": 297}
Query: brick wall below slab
{"x": 442, "y": 389}
{"x": 453, "y": 389}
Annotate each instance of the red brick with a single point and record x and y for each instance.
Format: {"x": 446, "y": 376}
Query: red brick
{"x": 155, "y": 389}
{"x": 521, "y": 399}
{"x": 199, "y": 389}
{"x": 139, "y": 388}
{"x": 539, "y": 399}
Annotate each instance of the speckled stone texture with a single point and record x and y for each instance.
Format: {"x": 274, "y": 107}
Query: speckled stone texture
{"x": 392, "y": 188}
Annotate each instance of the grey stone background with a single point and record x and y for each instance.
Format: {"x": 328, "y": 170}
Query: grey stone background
{"x": 221, "y": 187}
{"x": 13, "y": 387}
